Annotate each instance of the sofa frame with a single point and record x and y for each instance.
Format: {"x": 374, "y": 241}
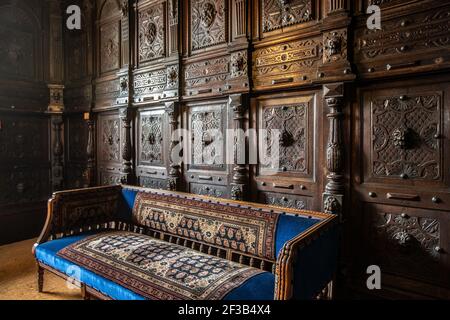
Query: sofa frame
{"x": 282, "y": 267}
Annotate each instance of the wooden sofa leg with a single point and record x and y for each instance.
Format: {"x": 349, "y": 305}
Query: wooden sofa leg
{"x": 40, "y": 279}
{"x": 84, "y": 294}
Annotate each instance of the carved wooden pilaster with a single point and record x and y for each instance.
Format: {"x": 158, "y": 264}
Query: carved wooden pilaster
{"x": 127, "y": 154}
{"x": 89, "y": 174}
{"x": 57, "y": 152}
{"x": 173, "y": 26}
{"x": 173, "y": 183}
{"x": 334, "y": 191}
{"x": 239, "y": 183}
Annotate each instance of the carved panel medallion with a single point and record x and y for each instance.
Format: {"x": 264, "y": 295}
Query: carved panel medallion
{"x": 291, "y": 122}
{"x": 151, "y": 139}
{"x": 207, "y": 127}
{"x": 110, "y": 139}
{"x": 152, "y": 33}
{"x": 208, "y": 23}
{"x": 406, "y": 140}
{"x": 110, "y": 47}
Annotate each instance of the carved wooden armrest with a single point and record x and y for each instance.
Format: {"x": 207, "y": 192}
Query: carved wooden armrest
{"x": 76, "y": 211}
{"x": 288, "y": 259}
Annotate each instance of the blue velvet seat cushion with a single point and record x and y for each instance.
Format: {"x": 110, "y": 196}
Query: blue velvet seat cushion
{"x": 259, "y": 287}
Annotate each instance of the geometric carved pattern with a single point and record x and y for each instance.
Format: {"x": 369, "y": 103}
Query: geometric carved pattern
{"x": 207, "y": 23}
{"x": 110, "y": 143}
{"x": 406, "y": 137}
{"x": 291, "y": 123}
{"x": 151, "y": 33}
{"x": 423, "y": 31}
{"x": 151, "y": 139}
{"x": 208, "y": 140}
{"x": 281, "y": 13}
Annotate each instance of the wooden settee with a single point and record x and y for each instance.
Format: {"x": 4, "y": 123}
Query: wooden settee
{"x": 125, "y": 243}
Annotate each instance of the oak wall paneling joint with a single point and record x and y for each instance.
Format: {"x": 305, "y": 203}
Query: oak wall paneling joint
{"x": 363, "y": 115}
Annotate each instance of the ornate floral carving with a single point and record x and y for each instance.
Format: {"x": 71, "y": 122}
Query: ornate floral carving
{"x": 405, "y": 243}
{"x": 404, "y": 136}
{"x": 283, "y": 13}
{"x": 151, "y": 141}
{"x": 207, "y": 23}
{"x": 238, "y": 64}
{"x": 172, "y": 77}
{"x": 151, "y": 33}
{"x": 335, "y": 46}
{"x": 284, "y": 201}
{"x": 110, "y": 138}
{"x": 291, "y": 122}
{"x": 207, "y": 147}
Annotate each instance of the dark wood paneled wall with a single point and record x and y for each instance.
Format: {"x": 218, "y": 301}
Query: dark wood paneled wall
{"x": 363, "y": 116}
{"x": 31, "y": 76}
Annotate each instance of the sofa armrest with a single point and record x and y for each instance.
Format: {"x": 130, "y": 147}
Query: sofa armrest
{"x": 76, "y": 211}
{"x": 308, "y": 262}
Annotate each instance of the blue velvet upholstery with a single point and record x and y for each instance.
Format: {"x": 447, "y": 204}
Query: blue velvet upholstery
{"x": 127, "y": 203}
{"x": 289, "y": 227}
{"x": 316, "y": 265}
{"x": 259, "y": 287}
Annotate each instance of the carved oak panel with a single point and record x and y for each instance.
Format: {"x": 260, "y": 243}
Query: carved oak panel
{"x": 151, "y": 138}
{"x": 403, "y": 44}
{"x": 24, "y": 140}
{"x": 152, "y": 33}
{"x": 148, "y": 182}
{"x": 209, "y": 190}
{"x": 282, "y": 200}
{"x": 110, "y": 47}
{"x": 406, "y": 136}
{"x": 19, "y": 43}
{"x": 404, "y": 241}
{"x": 288, "y": 123}
{"x": 287, "y": 63}
{"x": 109, "y": 138}
{"x": 208, "y": 23}
{"x": 207, "y": 124}
{"x": 278, "y": 14}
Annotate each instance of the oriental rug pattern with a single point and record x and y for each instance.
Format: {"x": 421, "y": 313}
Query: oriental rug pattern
{"x": 248, "y": 230}
{"x": 156, "y": 269}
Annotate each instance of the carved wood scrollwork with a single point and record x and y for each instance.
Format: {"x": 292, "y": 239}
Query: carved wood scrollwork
{"x": 284, "y": 13}
{"x": 406, "y": 135}
{"x": 291, "y": 123}
{"x": 208, "y": 23}
{"x": 152, "y": 39}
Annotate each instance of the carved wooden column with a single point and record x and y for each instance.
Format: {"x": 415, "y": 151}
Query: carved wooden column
{"x": 333, "y": 196}
{"x": 239, "y": 183}
{"x": 127, "y": 154}
{"x": 173, "y": 183}
{"x": 89, "y": 174}
{"x": 55, "y": 109}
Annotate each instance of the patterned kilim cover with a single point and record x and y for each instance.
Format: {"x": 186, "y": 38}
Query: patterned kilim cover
{"x": 248, "y": 230}
{"x": 156, "y": 269}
